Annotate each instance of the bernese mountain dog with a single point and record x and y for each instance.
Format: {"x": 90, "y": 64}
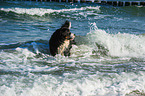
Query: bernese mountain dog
{"x": 61, "y": 40}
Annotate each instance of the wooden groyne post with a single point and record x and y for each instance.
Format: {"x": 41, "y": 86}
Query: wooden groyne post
{"x": 104, "y": 2}
{"x": 123, "y": 3}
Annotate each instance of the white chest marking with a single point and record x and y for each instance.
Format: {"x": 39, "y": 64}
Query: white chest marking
{"x": 63, "y": 47}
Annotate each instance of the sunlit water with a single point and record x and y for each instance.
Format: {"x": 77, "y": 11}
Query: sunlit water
{"x": 108, "y": 59}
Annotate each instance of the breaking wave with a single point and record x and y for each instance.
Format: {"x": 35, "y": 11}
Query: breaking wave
{"x": 120, "y": 44}
{"x": 43, "y": 11}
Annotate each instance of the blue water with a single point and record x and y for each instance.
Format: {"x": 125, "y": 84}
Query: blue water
{"x": 108, "y": 59}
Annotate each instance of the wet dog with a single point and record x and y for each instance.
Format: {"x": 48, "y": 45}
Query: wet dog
{"x": 61, "y": 40}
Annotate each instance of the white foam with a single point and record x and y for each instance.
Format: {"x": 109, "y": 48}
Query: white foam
{"x": 14, "y": 58}
{"x": 83, "y": 51}
{"x": 77, "y": 85}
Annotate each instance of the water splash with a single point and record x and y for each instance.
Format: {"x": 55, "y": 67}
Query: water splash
{"x": 120, "y": 44}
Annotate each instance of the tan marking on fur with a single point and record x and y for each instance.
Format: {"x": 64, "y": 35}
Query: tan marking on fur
{"x": 62, "y": 47}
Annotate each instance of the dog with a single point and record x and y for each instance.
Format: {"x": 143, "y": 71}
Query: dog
{"x": 62, "y": 40}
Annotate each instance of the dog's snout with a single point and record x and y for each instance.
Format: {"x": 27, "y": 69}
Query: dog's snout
{"x": 72, "y": 36}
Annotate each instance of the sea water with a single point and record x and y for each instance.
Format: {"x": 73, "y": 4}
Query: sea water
{"x": 107, "y": 60}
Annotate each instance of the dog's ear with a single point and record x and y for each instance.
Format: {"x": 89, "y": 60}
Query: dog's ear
{"x": 67, "y": 24}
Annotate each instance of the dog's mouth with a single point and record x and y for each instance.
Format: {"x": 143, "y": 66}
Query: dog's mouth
{"x": 70, "y": 37}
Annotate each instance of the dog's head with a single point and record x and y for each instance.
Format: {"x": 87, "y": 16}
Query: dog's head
{"x": 66, "y": 34}
{"x": 65, "y": 31}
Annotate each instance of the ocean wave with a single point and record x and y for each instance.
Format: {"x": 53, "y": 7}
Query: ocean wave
{"x": 120, "y": 44}
{"x": 43, "y": 11}
{"x": 33, "y": 46}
